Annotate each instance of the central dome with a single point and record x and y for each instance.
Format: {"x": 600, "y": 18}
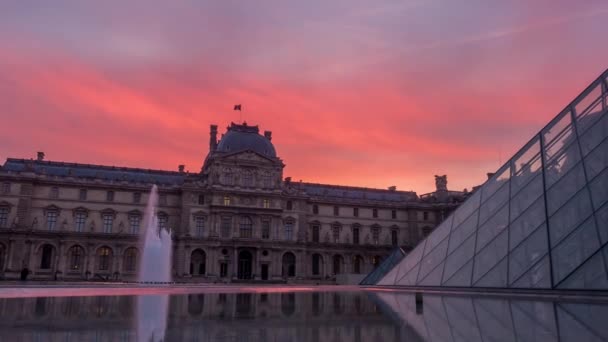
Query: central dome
{"x": 243, "y": 137}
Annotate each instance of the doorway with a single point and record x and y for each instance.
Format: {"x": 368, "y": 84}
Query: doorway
{"x": 264, "y": 271}
{"x": 245, "y": 265}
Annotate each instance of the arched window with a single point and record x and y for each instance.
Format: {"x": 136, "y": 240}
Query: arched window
{"x": 245, "y": 227}
{"x": 337, "y": 263}
{"x": 104, "y": 255}
{"x": 130, "y": 262}
{"x": 198, "y": 260}
{"x": 317, "y": 264}
{"x": 76, "y": 255}
{"x": 289, "y": 230}
{"x": 46, "y": 258}
{"x": 289, "y": 265}
{"x": 357, "y": 264}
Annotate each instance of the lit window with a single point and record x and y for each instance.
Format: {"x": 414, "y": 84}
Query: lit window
{"x": 104, "y": 258}
{"x": 80, "y": 219}
{"x": 163, "y": 219}
{"x": 289, "y": 230}
{"x": 110, "y": 196}
{"x": 82, "y": 195}
{"x": 134, "y": 224}
{"x": 266, "y": 203}
{"x": 130, "y": 261}
{"x": 226, "y": 200}
{"x": 375, "y": 212}
{"x": 3, "y": 217}
{"x": 376, "y": 235}
{"x": 136, "y": 197}
{"x": 356, "y": 212}
{"x": 199, "y": 225}
{"x": 226, "y": 225}
{"x": 246, "y": 227}
{"x": 108, "y": 221}
{"x": 6, "y": 188}
{"x": 315, "y": 209}
{"x": 265, "y": 229}
{"x": 51, "y": 219}
{"x": 54, "y": 192}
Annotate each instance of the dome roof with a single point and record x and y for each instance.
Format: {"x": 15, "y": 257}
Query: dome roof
{"x": 243, "y": 137}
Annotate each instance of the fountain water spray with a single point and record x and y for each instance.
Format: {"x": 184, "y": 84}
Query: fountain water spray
{"x": 154, "y": 267}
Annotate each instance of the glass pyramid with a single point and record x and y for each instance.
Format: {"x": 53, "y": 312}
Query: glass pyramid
{"x": 385, "y": 266}
{"x": 540, "y": 222}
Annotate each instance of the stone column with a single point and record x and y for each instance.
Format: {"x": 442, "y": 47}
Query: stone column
{"x": 235, "y": 264}
{"x": 118, "y": 259}
{"x": 186, "y": 261}
{"x": 255, "y": 269}
{"x": 60, "y": 266}
{"x": 8, "y": 264}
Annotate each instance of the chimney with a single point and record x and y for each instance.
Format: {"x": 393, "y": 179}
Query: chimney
{"x": 40, "y": 156}
{"x": 180, "y": 168}
{"x": 268, "y": 135}
{"x": 287, "y": 180}
{"x": 212, "y": 138}
{"x": 392, "y": 188}
{"x": 490, "y": 174}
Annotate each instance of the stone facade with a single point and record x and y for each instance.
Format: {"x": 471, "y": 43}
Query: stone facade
{"x": 236, "y": 219}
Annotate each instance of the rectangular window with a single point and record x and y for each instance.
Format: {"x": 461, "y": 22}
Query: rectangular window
{"x": 79, "y": 221}
{"x": 375, "y": 212}
{"x": 226, "y": 200}
{"x": 289, "y": 230}
{"x": 223, "y": 271}
{"x": 394, "y": 238}
{"x": 315, "y": 209}
{"x": 82, "y": 195}
{"x": 162, "y": 199}
{"x": 245, "y": 227}
{"x": 51, "y": 220}
{"x": 137, "y": 197}
{"x": 226, "y": 225}
{"x": 336, "y": 210}
{"x": 376, "y": 235}
{"x": 163, "y": 219}
{"x": 266, "y": 181}
{"x": 266, "y": 203}
{"x": 356, "y": 236}
{"x": 54, "y": 192}
{"x": 201, "y": 199}
{"x": 289, "y": 205}
{"x": 336, "y": 234}
{"x": 134, "y": 224}
{"x": 425, "y": 215}
{"x": 247, "y": 179}
{"x": 110, "y": 196}
{"x": 315, "y": 233}
{"x": 265, "y": 229}
{"x": 394, "y": 214}
{"x": 3, "y": 217}
{"x": 356, "y": 212}
{"x": 108, "y": 221}
{"x": 6, "y": 188}
{"x": 228, "y": 179}
{"x": 199, "y": 226}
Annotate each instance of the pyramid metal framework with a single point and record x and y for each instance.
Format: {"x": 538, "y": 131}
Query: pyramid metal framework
{"x": 540, "y": 222}
{"x": 385, "y": 266}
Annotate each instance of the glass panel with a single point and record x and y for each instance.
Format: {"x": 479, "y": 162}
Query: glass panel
{"x": 599, "y": 189}
{"x": 465, "y": 210}
{"x": 494, "y": 316}
{"x": 527, "y": 253}
{"x": 597, "y": 161}
{"x": 559, "y": 166}
{"x": 433, "y": 259}
{"x": 499, "y": 179}
{"x": 490, "y": 206}
{"x": 538, "y": 276}
{"x": 534, "y": 321}
{"x": 594, "y": 135}
{"x": 490, "y": 256}
{"x": 591, "y": 275}
{"x": 462, "y": 255}
{"x": 525, "y": 165}
{"x": 571, "y": 252}
{"x": 492, "y": 227}
{"x": 557, "y": 135}
{"x": 435, "y": 316}
{"x": 527, "y": 223}
{"x": 585, "y": 104}
{"x": 409, "y": 261}
{"x": 569, "y": 216}
{"x": 572, "y": 329}
{"x": 410, "y": 278}
{"x": 434, "y": 278}
{"x": 464, "y": 231}
{"x": 602, "y": 220}
{"x": 565, "y": 188}
{"x": 496, "y": 277}
{"x": 462, "y": 276}
{"x": 438, "y": 235}
{"x": 593, "y": 315}
{"x": 527, "y": 196}
{"x": 462, "y": 318}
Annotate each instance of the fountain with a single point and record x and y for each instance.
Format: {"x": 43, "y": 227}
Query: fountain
{"x": 154, "y": 267}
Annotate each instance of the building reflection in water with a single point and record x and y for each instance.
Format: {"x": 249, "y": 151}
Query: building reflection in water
{"x": 312, "y": 316}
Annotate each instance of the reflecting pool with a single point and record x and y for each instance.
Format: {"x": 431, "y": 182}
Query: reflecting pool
{"x": 300, "y": 316}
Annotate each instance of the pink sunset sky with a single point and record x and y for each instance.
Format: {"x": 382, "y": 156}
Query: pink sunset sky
{"x": 356, "y": 92}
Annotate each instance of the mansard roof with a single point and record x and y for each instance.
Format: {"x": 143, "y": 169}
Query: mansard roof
{"x": 90, "y": 171}
{"x": 335, "y": 192}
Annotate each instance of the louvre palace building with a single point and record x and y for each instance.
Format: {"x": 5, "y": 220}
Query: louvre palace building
{"x": 236, "y": 220}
